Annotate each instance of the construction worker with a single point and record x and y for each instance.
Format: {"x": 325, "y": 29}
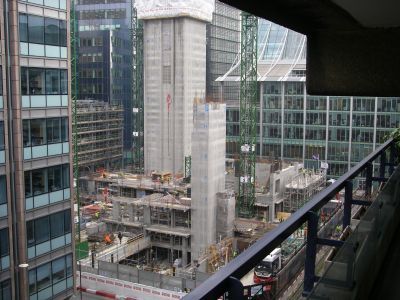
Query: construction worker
{"x": 120, "y": 237}
{"x": 97, "y": 214}
{"x": 107, "y": 239}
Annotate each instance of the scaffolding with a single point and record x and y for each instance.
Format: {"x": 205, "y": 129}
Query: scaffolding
{"x": 74, "y": 94}
{"x": 247, "y": 114}
{"x": 99, "y": 128}
{"x": 137, "y": 91}
{"x": 302, "y": 187}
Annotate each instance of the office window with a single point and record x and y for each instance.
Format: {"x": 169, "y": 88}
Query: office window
{"x": 35, "y": 29}
{"x": 42, "y": 230}
{"x": 1, "y": 136}
{"x": 55, "y": 178}
{"x": 63, "y": 82}
{"x": 40, "y": 30}
{"x": 34, "y": 132}
{"x": 39, "y": 182}
{"x": 45, "y": 131}
{"x": 57, "y": 227}
{"x": 65, "y": 176}
{"x": 46, "y": 180}
{"x": 32, "y": 281}
{"x": 5, "y": 289}
{"x": 63, "y": 33}
{"x": 43, "y": 276}
{"x": 58, "y": 269}
{"x": 54, "y": 130}
{"x": 23, "y": 28}
{"x": 28, "y": 186}
{"x": 49, "y": 274}
{"x": 4, "y": 244}
{"x": 52, "y": 82}
{"x": 48, "y": 227}
{"x": 52, "y": 31}
{"x": 3, "y": 190}
{"x": 64, "y": 130}
{"x": 36, "y": 81}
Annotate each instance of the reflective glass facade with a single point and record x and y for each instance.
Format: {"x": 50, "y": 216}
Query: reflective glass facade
{"x": 35, "y": 151}
{"x": 295, "y": 126}
{"x": 299, "y": 127}
{"x": 105, "y": 55}
{"x": 223, "y": 43}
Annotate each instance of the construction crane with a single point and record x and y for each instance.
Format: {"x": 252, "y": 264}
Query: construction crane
{"x": 247, "y": 112}
{"x": 137, "y": 91}
{"x": 74, "y": 98}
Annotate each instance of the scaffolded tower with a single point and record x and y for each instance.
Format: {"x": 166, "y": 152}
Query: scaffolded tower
{"x": 301, "y": 189}
{"x": 174, "y": 58}
{"x": 137, "y": 91}
{"x": 99, "y": 127}
{"x": 208, "y": 173}
{"x": 74, "y": 96}
{"x": 248, "y": 102}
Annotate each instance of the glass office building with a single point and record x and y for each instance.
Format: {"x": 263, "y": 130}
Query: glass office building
{"x": 295, "y": 126}
{"x": 36, "y": 235}
{"x": 105, "y": 55}
{"x": 223, "y": 44}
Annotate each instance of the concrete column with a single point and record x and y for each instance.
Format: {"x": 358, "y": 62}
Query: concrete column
{"x": 272, "y": 211}
{"x": 131, "y": 212}
{"x": 184, "y": 251}
{"x": 116, "y": 211}
{"x": 146, "y": 215}
{"x": 171, "y": 247}
{"x": 172, "y": 218}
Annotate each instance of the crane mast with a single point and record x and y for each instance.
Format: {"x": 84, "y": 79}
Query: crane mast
{"x": 247, "y": 112}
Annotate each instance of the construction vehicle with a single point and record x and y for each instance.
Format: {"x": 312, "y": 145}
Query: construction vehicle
{"x": 266, "y": 270}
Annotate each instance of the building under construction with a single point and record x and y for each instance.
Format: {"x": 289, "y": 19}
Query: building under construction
{"x": 162, "y": 212}
{"x": 302, "y": 187}
{"x": 100, "y": 130}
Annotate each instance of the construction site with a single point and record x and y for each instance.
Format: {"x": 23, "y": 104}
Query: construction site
{"x": 189, "y": 210}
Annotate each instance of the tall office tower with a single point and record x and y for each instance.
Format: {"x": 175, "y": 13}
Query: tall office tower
{"x": 208, "y": 173}
{"x": 223, "y": 45}
{"x": 105, "y": 55}
{"x": 295, "y": 126}
{"x": 174, "y": 75}
{"x": 36, "y": 235}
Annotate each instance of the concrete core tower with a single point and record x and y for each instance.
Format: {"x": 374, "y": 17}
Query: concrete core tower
{"x": 208, "y": 173}
{"x": 174, "y": 74}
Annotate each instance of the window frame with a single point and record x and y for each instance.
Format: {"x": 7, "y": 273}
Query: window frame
{"x": 26, "y": 31}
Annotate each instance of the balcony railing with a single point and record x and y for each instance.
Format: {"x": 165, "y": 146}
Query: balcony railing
{"x": 227, "y": 280}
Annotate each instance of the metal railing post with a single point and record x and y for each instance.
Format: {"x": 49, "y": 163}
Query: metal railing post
{"x": 235, "y": 289}
{"x": 392, "y": 157}
{"x": 368, "y": 179}
{"x": 348, "y": 198}
{"x": 382, "y": 166}
{"x": 311, "y": 252}
{"x": 222, "y": 281}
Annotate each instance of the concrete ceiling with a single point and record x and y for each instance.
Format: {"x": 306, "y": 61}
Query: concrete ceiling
{"x": 373, "y": 13}
{"x": 353, "y": 46}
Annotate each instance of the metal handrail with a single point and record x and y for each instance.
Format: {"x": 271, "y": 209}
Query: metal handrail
{"x": 222, "y": 281}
